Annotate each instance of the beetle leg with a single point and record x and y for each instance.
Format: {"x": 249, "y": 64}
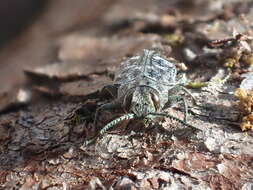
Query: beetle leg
{"x": 176, "y": 99}
{"x": 112, "y": 90}
{"x": 189, "y": 93}
{"x": 108, "y": 106}
{"x": 178, "y": 88}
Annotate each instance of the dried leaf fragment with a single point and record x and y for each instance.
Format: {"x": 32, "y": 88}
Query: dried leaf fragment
{"x": 245, "y": 105}
{"x": 247, "y": 122}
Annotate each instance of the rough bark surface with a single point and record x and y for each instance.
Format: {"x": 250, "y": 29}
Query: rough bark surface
{"x": 63, "y": 60}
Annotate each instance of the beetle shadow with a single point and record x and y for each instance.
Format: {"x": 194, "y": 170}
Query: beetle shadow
{"x": 226, "y": 117}
{"x": 153, "y": 129}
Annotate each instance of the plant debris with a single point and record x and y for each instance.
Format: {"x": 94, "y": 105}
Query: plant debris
{"x": 245, "y": 106}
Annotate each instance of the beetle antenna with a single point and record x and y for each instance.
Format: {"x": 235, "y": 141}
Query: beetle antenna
{"x": 176, "y": 119}
{"x": 109, "y": 126}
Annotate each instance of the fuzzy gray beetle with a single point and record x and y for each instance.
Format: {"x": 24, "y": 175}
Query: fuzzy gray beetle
{"x": 146, "y": 85}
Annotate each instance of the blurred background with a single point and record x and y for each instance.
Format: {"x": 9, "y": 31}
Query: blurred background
{"x": 42, "y": 32}
{"x": 30, "y": 29}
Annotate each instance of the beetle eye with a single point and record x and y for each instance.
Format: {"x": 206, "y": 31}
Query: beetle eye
{"x": 128, "y": 101}
{"x": 155, "y": 100}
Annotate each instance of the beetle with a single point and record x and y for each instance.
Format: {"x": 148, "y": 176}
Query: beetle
{"x": 146, "y": 85}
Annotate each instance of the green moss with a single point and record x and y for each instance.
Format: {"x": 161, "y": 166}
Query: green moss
{"x": 174, "y": 39}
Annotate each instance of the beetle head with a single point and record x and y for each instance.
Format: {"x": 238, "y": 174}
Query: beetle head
{"x": 142, "y": 101}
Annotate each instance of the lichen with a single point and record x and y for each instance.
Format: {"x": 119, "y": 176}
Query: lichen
{"x": 196, "y": 84}
{"x": 245, "y": 106}
{"x": 230, "y": 62}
